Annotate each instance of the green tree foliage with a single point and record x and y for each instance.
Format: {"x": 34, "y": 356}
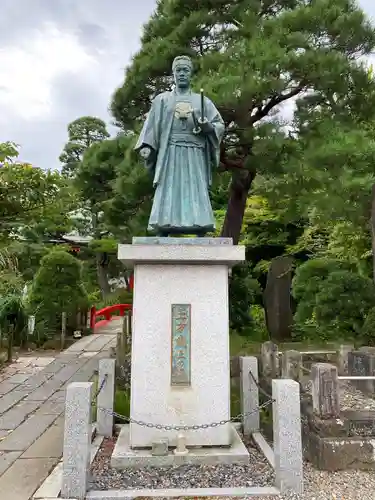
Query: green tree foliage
{"x": 25, "y": 191}
{"x": 82, "y": 133}
{"x": 128, "y": 210}
{"x": 11, "y": 281}
{"x": 96, "y": 178}
{"x": 251, "y": 58}
{"x": 56, "y": 288}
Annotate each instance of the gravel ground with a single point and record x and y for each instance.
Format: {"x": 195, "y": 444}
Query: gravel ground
{"x": 319, "y": 485}
{"x": 353, "y": 399}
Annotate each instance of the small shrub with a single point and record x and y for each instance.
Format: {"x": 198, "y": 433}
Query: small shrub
{"x": 57, "y": 288}
{"x": 119, "y": 296}
{"x": 13, "y": 316}
{"x": 122, "y": 403}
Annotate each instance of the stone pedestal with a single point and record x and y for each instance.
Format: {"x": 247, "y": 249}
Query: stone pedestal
{"x": 180, "y": 318}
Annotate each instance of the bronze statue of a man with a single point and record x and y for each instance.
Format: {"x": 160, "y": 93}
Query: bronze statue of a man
{"x": 180, "y": 142}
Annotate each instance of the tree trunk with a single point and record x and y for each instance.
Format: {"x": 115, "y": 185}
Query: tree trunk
{"x": 101, "y": 270}
{"x": 101, "y": 261}
{"x": 238, "y": 193}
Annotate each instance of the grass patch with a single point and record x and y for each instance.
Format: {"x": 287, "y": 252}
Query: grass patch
{"x": 121, "y": 402}
{"x": 244, "y": 346}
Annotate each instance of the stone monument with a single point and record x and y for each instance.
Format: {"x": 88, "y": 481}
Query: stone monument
{"x": 180, "y": 374}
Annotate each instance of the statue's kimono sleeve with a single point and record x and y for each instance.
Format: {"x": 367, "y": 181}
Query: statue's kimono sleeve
{"x": 215, "y": 138}
{"x": 150, "y": 134}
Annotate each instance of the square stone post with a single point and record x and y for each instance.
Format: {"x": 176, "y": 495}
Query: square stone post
{"x": 342, "y": 358}
{"x": 291, "y": 365}
{"x": 287, "y": 439}
{"x": 249, "y": 394}
{"x": 325, "y": 390}
{"x": 77, "y": 440}
{"x": 106, "y": 397}
{"x": 269, "y": 354}
{"x": 362, "y": 363}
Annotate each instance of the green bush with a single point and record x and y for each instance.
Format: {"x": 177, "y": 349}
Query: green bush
{"x": 333, "y": 301}
{"x": 368, "y": 330}
{"x": 343, "y": 303}
{"x": 119, "y": 296}
{"x": 244, "y": 290}
{"x": 13, "y": 316}
{"x": 122, "y": 403}
{"x": 306, "y": 284}
{"x": 310, "y": 275}
{"x": 57, "y": 287}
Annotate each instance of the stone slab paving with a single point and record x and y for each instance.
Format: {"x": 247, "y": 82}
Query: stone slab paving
{"x": 32, "y": 396}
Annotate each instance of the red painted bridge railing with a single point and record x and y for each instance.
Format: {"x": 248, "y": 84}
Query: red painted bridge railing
{"x": 108, "y": 313}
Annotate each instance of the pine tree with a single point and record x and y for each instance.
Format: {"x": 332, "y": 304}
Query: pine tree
{"x": 251, "y": 57}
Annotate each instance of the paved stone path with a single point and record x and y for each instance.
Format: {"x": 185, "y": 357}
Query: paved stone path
{"x": 32, "y": 396}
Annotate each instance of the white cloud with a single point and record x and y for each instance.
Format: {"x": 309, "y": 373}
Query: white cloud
{"x": 28, "y": 71}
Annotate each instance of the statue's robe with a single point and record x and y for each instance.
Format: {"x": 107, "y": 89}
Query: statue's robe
{"x": 181, "y": 163}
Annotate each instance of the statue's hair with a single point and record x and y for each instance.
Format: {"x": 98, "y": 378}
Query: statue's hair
{"x": 184, "y": 59}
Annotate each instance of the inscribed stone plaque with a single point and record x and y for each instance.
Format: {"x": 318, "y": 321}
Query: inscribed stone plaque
{"x": 364, "y": 428}
{"x": 180, "y": 344}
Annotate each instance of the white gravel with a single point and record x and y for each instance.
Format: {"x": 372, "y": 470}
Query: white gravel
{"x": 353, "y": 399}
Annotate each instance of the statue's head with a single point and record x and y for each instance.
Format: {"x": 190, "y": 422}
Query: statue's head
{"x": 182, "y": 70}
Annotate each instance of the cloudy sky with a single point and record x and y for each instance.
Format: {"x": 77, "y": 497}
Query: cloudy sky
{"x": 62, "y": 59}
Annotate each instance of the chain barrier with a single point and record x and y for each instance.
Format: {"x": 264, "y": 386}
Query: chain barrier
{"x": 149, "y": 425}
{"x": 183, "y": 427}
{"x": 99, "y": 390}
{"x": 265, "y": 393}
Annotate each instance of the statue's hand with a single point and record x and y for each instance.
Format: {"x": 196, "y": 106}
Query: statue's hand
{"x": 145, "y": 152}
{"x": 205, "y": 126}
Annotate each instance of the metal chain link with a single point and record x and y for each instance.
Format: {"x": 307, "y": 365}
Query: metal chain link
{"x": 99, "y": 390}
{"x": 184, "y": 427}
{"x": 260, "y": 388}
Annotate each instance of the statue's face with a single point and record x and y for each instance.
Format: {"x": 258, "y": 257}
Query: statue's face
{"x": 182, "y": 75}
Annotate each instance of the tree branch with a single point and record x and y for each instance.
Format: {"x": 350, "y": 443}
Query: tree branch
{"x": 275, "y": 101}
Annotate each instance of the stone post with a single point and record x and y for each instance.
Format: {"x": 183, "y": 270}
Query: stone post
{"x": 287, "y": 439}
{"x": 325, "y": 391}
{"x": 362, "y": 363}
{"x": 63, "y": 330}
{"x": 269, "y": 354}
{"x": 123, "y": 350}
{"x": 342, "y": 358}
{"x": 249, "y": 394}
{"x": 106, "y": 397}
{"x": 121, "y": 346}
{"x": 291, "y": 365}
{"x": 77, "y": 440}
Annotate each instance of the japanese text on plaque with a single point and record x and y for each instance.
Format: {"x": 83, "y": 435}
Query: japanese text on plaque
{"x": 180, "y": 355}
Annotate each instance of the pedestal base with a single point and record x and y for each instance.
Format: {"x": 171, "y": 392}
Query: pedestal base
{"x": 180, "y": 339}
{"x": 124, "y": 456}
